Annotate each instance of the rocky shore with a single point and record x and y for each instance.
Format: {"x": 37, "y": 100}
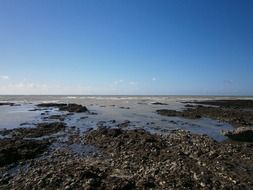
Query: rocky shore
{"x": 237, "y": 118}
{"x": 52, "y": 155}
{"x": 136, "y": 159}
{"x": 238, "y": 113}
{"x": 41, "y": 129}
{"x": 177, "y": 161}
{"x": 23, "y": 143}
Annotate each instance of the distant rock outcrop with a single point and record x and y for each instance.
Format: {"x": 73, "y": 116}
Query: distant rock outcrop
{"x": 66, "y": 107}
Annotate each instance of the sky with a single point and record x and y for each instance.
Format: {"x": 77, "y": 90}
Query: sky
{"x": 126, "y": 47}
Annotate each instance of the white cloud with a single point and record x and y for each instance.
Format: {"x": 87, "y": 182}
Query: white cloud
{"x": 118, "y": 82}
{"x": 26, "y": 87}
{"x": 133, "y": 83}
{"x": 153, "y": 79}
{"x": 4, "y": 77}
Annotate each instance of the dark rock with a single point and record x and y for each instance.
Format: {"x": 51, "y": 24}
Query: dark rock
{"x": 26, "y": 123}
{"x": 124, "y": 124}
{"x": 241, "y": 134}
{"x": 101, "y": 124}
{"x": 169, "y": 113}
{"x": 123, "y": 184}
{"x": 126, "y": 108}
{"x": 84, "y": 117}
{"x": 159, "y": 103}
{"x": 179, "y": 161}
{"x": 93, "y": 113}
{"x": 58, "y": 117}
{"x": 235, "y": 104}
{"x": 189, "y": 106}
{"x": 13, "y": 150}
{"x": 136, "y": 159}
{"x": 113, "y": 121}
{"x": 48, "y": 105}
{"x": 8, "y": 104}
{"x": 234, "y": 116}
{"x": 66, "y": 107}
{"x": 42, "y": 129}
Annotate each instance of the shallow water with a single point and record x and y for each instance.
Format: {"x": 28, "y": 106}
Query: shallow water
{"x": 139, "y": 110}
{"x": 13, "y": 116}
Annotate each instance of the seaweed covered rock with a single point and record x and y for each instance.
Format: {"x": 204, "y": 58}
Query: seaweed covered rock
{"x": 241, "y": 134}
{"x": 236, "y": 117}
{"x": 180, "y": 160}
{"x": 136, "y": 159}
{"x": 13, "y": 150}
{"x": 65, "y": 107}
{"x": 41, "y": 129}
{"x": 8, "y": 104}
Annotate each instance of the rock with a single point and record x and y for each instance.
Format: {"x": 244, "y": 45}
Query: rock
{"x": 234, "y": 104}
{"x": 178, "y": 161}
{"x": 125, "y": 124}
{"x": 13, "y": 150}
{"x": 132, "y": 159}
{"x": 57, "y": 117}
{"x": 159, "y": 103}
{"x": 84, "y": 117}
{"x": 75, "y": 108}
{"x": 126, "y": 108}
{"x": 48, "y": 105}
{"x": 8, "y": 104}
{"x": 225, "y": 113}
{"x": 41, "y": 129}
{"x": 189, "y": 106}
{"x": 169, "y": 113}
{"x": 241, "y": 134}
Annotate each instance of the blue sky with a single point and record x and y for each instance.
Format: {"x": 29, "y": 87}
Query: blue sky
{"x": 157, "y": 47}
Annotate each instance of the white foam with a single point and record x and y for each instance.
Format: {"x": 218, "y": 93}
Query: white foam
{"x": 71, "y": 97}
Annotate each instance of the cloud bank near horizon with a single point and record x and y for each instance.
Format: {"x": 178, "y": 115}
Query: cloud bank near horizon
{"x": 10, "y": 86}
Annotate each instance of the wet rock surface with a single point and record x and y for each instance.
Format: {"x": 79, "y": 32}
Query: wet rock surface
{"x": 227, "y": 111}
{"x": 41, "y": 129}
{"x": 57, "y": 117}
{"x": 57, "y": 156}
{"x": 65, "y": 107}
{"x": 241, "y": 134}
{"x": 8, "y": 104}
{"x": 14, "y": 150}
{"x": 26, "y": 146}
{"x": 124, "y": 108}
{"x": 159, "y": 103}
{"x": 135, "y": 159}
{"x": 179, "y": 161}
{"x": 21, "y": 143}
{"x": 235, "y": 104}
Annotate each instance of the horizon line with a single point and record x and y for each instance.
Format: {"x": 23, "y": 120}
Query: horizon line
{"x": 124, "y": 95}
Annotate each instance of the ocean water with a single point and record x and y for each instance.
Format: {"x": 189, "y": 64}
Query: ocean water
{"x": 113, "y": 110}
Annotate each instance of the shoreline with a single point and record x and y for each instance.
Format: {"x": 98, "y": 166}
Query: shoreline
{"x": 115, "y": 156}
